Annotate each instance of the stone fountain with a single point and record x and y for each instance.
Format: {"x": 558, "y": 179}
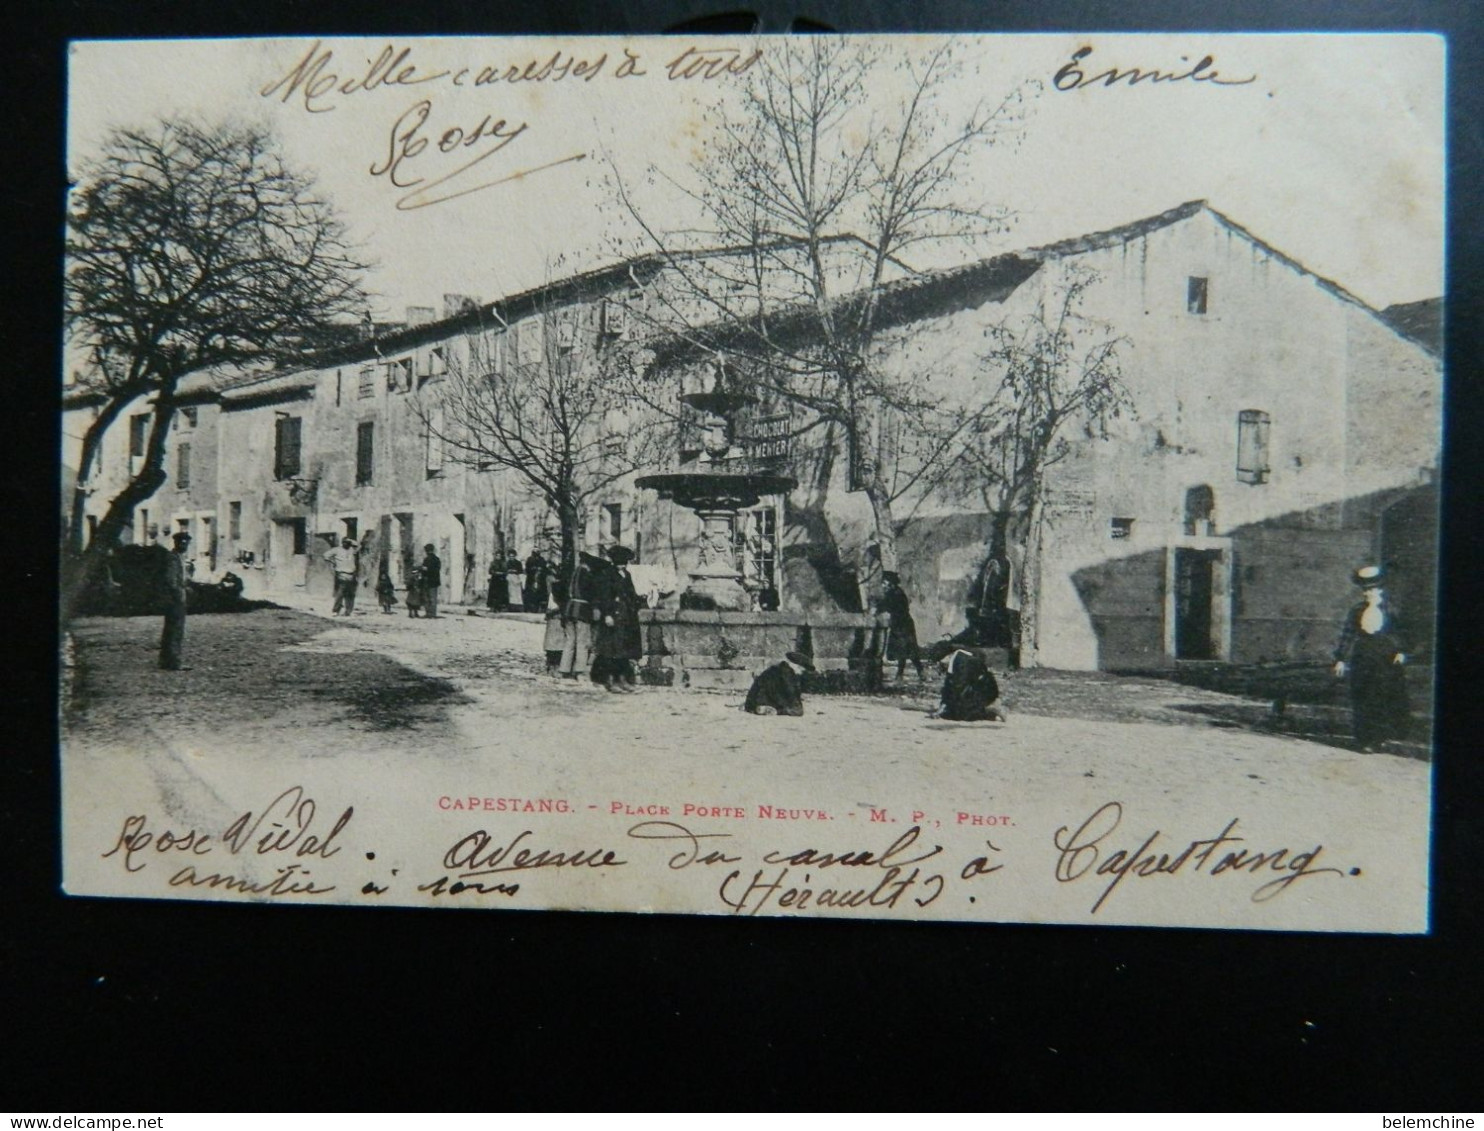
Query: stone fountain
{"x": 716, "y": 494}
{"x": 715, "y": 639}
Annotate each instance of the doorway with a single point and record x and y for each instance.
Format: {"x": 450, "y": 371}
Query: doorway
{"x": 1197, "y": 585}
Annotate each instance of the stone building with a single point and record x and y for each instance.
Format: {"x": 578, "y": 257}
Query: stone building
{"x": 1276, "y": 433}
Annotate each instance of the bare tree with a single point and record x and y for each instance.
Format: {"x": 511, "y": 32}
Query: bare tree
{"x": 813, "y": 193}
{"x": 1056, "y": 382}
{"x": 189, "y": 246}
{"x": 549, "y": 401}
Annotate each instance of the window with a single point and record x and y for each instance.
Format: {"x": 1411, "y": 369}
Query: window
{"x": 138, "y": 432}
{"x": 234, "y": 521}
{"x": 1200, "y": 510}
{"x": 182, "y": 465}
{"x": 1253, "y": 446}
{"x": 188, "y": 418}
{"x": 286, "y": 437}
{"x": 337, "y": 388}
{"x": 399, "y": 375}
{"x": 755, "y": 539}
{"x": 615, "y": 318}
{"x": 438, "y": 361}
{"x": 610, "y": 524}
{"x": 1195, "y": 294}
{"x": 1120, "y": 529}
{"x": 365, "y": 452}
{"x": 366, "y": 383}
{"x": 352, "y": 527}
{"x": 299, "y": 528}
{"x": 862, "y": 459}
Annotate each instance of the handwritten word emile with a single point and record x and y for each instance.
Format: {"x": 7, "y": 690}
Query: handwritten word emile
{"x": 1072, "y": 77}
{"x": 1081, "y": 853}
{"x": 285, "y": 825}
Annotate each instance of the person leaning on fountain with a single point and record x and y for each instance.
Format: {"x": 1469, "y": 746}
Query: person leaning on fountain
{"x": 776, "y": 690}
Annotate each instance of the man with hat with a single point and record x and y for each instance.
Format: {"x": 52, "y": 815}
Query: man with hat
{"x": 617, "y": 641}
{"x": 172, "y": 635}
{"x": 901, "y": 630}
{"x": 344, "y": 560}
{"x": 1371, "y": 653}
{"x": 776, "y": 690}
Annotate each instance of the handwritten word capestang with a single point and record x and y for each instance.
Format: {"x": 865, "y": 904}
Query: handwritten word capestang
{"x": 318, "y": 86}
{"x": 1080, "y": 854}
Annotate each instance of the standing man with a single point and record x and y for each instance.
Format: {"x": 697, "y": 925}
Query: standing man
{"x": 578, "y": 614}
{"x": 432, "y": 577}
{"x": 172, "y": 635}
{"x": 1371, "y": 653}
{"x": 618, "y": 641}
{"x": 343, "y": 560}
{"x": 901, "y": 629}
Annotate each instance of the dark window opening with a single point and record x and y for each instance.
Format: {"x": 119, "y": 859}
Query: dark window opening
{"x": 1195, "y": 294}
{"x": 182, "y": 465}
{"x": 138, "y": 432}
{"x": 234, "y": 521}
{"x": 1120, "y": 528}
{"x": 1200, "y": 510}
{"x": 288, "y": 431}
{"x": 300, "y": 529}
{"x": 365, "y": 452}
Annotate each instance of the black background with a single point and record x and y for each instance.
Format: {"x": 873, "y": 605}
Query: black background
{"x": 148, "y": 1006}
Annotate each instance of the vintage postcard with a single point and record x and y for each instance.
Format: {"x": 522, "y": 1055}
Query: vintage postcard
{"x": 930, "y": 477}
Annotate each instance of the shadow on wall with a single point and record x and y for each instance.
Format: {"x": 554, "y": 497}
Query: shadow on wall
{"x": 1290, "y": 585}
{"x": 817, "y": 576}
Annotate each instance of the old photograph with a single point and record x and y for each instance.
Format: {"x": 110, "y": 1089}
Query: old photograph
{"x": 978, "y": 478}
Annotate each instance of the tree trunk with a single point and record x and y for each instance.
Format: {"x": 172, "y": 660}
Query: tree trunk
{"x": 886, "y": 529}
{"x": 1028, "y": 585}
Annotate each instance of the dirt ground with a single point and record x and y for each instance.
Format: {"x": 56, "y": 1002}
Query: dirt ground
{"x": 383, "y": 679}
{"x": 413, "y": 721}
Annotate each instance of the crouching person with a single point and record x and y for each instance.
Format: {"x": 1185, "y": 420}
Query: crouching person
{"x": 970, "y": 689}
{"x": 776, "y": 690}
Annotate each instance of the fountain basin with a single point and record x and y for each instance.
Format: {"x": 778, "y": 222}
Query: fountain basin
{"x": 716, "y": 490}
{"x": 722, "y": 649}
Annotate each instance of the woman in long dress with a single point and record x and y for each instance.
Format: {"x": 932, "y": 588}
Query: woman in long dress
{"x": 1372, "y": 653}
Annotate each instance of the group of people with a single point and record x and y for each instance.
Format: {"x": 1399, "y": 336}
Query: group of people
{"x": 969, "y": 694}
{"x": 592, "y": 628}
{"x": 514, "y": 584}
{"x": 592, "y": 622}
{"x": 423, "y": 581}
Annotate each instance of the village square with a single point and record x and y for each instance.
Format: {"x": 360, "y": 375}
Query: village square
{"x": 842, "y": 503}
